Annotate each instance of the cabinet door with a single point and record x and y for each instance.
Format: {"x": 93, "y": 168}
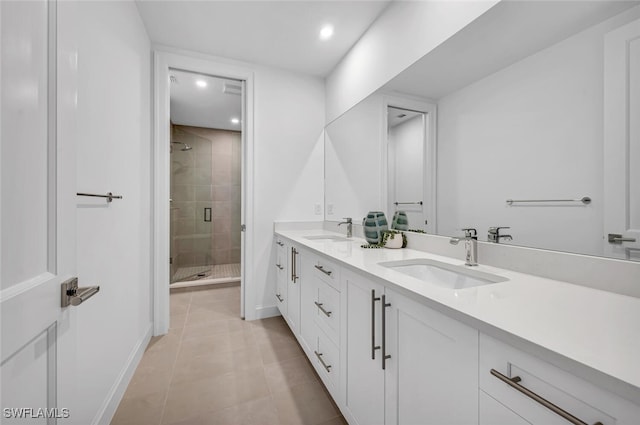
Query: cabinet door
{"x": 281, "y": 277}
{"x": 293, "y": 289}
{"x": 494, "y": 413}
{"x": 308, "y": 309}
{"x": 432, "y": 374}
{"x": 363, "y": 389}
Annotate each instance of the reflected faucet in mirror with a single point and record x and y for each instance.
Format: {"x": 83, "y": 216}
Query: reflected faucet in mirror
{"x": 495, "y": 236}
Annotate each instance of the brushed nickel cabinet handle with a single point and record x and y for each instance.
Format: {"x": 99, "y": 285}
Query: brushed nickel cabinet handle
{"x": 385, "y": 356}
{"x": 515, "y": 383}
{"x": 321, "y": 268}
{"x": 294, "y": 267}
{"x": 279, "y": 243}
{"x": 279, "y": 297}
{"x": 327, "y": 367}
{"x": 319, "y": 305}
{"x": 374, "y": 347}
{"x": 279, "y": 266}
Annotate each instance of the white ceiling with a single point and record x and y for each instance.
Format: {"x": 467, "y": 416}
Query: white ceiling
{"x": 209, "y": 106}
{"x": 282, "y": 34}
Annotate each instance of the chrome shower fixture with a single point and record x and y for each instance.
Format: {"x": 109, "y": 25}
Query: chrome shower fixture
{"x": 185, "y": 147}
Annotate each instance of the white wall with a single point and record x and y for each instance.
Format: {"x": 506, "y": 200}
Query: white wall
{"x": 533, "y": 130}
{"x": 403, "y": 33}
{"x": 288, "y": 169}
{"x": 112, "y": 123}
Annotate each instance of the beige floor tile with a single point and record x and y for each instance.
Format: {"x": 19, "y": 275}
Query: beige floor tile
{"x": 288, "y": 373}
{"x": 190, "y": 398}
{"x": 136, "y": 410}
{"x": 306, "y": 404}
{"x": 279, "y": 350}
{"x": 215, "y": 368}
{"x": 177, "y": 321}
{"x": 338, "y": 420}
{"x": 256, "y": 412}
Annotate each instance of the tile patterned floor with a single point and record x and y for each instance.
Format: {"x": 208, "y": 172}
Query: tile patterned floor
{"x": 214, "y": 368}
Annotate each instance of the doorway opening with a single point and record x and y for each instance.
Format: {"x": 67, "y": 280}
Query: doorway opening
{"x": 406, "y": 136}
{"x": 205, "y": 240}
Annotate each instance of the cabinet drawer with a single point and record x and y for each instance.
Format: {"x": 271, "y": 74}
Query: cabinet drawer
{"x": 328, "y": 272}
{"x": 570, "y": 393}
{"x": 328, "y": 305}
{"x": 327, "y": 362}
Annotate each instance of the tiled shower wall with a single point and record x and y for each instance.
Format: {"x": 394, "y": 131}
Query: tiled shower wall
{"x": 207, "y": 176}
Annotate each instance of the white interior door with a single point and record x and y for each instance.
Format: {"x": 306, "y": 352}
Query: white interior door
{"x": 622, "y": 142}
{"x": 38, "y": 221}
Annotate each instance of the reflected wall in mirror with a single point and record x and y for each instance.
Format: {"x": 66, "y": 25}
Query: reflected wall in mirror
{"x": 554, "y": 116}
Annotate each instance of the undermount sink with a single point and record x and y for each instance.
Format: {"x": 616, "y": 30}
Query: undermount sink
{"x": 327, "y": 238}
{"x": 443, "y": 274}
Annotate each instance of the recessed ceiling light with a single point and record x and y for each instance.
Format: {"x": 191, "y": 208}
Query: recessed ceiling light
{"x": 326, "y": 32}
{"x": 201, "y": 83}
{"x": 235, "y": 121}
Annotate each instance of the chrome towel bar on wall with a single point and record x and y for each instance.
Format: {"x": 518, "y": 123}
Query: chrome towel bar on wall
{"x": 585, "y": 200}
{"x": 110, "y": 196}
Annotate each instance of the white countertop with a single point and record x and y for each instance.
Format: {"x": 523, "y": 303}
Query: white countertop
{"x": 596, "y": 329}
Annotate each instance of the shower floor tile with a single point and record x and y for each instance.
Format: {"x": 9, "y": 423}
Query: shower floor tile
{"x": 220, "y": 271}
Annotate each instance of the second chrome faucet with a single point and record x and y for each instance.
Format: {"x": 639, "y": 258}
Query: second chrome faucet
{"x": 349, "y": 224}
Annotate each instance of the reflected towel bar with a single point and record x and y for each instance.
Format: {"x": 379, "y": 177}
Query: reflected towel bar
{"x": 407, "y": 203}
{"x": 110, "y": 196}
{"x": 585, "y": 200}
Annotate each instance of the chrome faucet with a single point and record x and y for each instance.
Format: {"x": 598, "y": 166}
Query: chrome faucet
{"x": 495, "y": 236}
{"x": 470, "y": 245}
{"x": 349, "y": 224}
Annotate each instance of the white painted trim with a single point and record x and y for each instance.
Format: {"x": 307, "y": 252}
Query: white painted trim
{"x": 429, "y": 108}
{"x": 24, "y": 286}
{"x": 266, "y": 312}
{"x": 114, "y": 397}
{"x": 164, "y": 59}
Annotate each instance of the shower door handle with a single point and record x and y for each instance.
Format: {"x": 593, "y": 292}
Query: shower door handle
{"x": 207, "y": 214}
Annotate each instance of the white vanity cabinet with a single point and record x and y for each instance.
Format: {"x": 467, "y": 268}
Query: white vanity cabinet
{"x": 288, "y": 280}
{"x": 282, "y": 266}
{"x": 406, "y": 363}
{"x": 532, "y": 381}
{"x": 320, "y": 318}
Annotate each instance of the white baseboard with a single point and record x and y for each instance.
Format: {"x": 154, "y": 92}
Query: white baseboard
{"x": 110, "y": 405}
{"x": 266, "y": 312}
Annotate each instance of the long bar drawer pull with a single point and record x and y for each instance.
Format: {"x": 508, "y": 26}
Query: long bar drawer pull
{"x": 374, "y": 347}
{"x": 279, "y": 243}
{"x": 514, "y": 383}
{"x": 279, "y": 297}
{"x": 279, "y": 266}
{"x": 321, "y": 268}
{"x": 319, "y": 305}
{"x": 110, "y": 196}
{"x": 327, "y": 367}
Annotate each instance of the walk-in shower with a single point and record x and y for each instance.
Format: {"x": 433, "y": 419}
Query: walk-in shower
{"x": 205, "y": 181}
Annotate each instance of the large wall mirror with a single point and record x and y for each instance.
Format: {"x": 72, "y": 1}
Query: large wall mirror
{"x": 535, "y": 107}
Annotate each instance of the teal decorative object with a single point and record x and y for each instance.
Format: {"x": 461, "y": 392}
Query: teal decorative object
{"x": 374, "y": 225}
{"x": 400, "y": 221}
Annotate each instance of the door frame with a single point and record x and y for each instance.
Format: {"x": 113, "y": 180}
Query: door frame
{"x": 429, "y": 183}
{"x": 164, "y": 60}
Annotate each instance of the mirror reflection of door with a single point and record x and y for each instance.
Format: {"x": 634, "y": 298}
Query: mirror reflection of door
{"x": 407, "y": 166}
